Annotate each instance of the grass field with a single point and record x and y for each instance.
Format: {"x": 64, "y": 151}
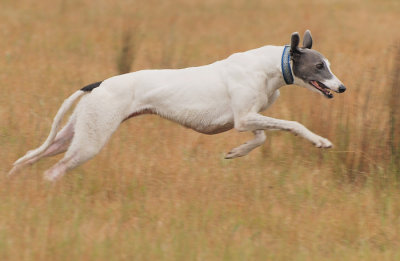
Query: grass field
{"x": 158, "y": 191}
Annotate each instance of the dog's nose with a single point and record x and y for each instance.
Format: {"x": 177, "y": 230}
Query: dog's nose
{"x": 342, "y": 88}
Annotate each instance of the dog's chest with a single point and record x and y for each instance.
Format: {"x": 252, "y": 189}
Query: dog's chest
{"x": 266, "y": 99}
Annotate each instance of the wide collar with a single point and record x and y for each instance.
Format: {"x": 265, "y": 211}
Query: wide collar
{"x": 285, "y": 65}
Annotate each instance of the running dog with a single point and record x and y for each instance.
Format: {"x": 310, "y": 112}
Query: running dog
{"x": 209, "y": 99}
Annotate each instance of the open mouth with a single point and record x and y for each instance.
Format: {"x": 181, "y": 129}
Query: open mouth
{"x": 322, "y": 88}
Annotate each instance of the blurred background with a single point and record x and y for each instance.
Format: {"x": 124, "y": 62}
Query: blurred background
{"x": 158, "y": 191}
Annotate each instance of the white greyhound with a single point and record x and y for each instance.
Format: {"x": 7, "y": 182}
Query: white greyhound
{"x": 209, "y": 99}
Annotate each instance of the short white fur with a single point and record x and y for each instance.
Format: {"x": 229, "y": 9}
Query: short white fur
{"x": 209, "y": 99}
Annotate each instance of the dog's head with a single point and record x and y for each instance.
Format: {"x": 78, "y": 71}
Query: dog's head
{"x": 311, "y": 69}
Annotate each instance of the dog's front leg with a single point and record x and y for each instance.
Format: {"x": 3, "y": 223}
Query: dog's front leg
{"x": 254, "y": 121}
{"x": 244, "y": 149}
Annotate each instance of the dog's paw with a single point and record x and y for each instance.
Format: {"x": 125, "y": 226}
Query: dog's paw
{"x": 235, "y": 153}
{"x": 321, "y": 142}
{"x": 14, "y": 170}
{"x": 52, "y": 175}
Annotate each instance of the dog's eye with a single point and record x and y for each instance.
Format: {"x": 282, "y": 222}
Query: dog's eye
{"x": 320, "y": 66}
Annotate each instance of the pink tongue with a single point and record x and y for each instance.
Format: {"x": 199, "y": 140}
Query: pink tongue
{"x": 315, "y": 83}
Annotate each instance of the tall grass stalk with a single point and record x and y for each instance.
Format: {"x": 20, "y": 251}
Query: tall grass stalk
{"x": 394, "y": 111}
{"x": 130, "y": 43}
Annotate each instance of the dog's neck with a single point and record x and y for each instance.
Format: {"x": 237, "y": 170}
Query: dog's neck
{"x": 276, "y": 65}
{"x": 266, "y": 61}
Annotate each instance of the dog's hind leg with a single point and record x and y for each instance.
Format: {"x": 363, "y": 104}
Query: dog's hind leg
{"x": 89, "y": 138}
{"x": 244, "y": 149}
{"x": 59, "y": 145}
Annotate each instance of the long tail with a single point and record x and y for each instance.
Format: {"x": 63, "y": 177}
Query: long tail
{"x": 54, "y": 127}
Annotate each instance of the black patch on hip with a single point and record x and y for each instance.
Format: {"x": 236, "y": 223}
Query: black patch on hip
{"x": 90, "y": 87}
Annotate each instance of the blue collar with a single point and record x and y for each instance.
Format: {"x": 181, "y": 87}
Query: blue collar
{"x": 285, "y": 65}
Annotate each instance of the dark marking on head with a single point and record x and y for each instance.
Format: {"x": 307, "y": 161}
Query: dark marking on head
{"x": 312, "y": 68}
{"x": 90, "y": 87}
{"x": 308, "y": 65}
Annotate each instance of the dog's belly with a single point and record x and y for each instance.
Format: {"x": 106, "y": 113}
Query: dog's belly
{"x": 206, "y": 122}
{"x": 213, "y": 129}
{"x": 205, "y": 125}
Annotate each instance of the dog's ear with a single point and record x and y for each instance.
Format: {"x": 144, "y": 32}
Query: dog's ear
{"x": 294, "y": 44}
{"x": 307, "y": 40}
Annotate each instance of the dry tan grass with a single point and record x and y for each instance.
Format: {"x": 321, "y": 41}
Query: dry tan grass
{"x": 162, "y": 192}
